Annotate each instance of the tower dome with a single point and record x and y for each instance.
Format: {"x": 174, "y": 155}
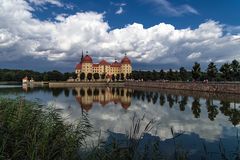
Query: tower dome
{"x": 87, "y": 59}
{"x": 126, "y": 60}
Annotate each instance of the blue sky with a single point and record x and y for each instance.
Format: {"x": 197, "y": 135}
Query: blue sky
{"x": 155, "y": 34}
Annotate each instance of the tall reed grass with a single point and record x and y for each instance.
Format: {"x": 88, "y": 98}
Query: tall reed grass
{"x": 27, "y": 131}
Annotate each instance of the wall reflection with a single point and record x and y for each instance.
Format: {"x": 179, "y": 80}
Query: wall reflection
{"x": 230, "y": 109}
{"x": 87, "y": 96}
{"x": 214, "y": 104}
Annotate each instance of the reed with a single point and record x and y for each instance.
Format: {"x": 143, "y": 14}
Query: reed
{"x": 27, "y": 131}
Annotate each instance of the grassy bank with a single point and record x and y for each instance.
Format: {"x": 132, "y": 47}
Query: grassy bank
{"x": 29, "y": 132}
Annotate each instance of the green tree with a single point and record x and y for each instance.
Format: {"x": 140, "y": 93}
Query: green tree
{"x": 170, "y": 75}
{"x": 162, "y": 74}
{"x": 235, "y": 70}
{"x": 103, "y": 76}
{"x": 45, "y": 77}
{"x": 147, "y": 76}
{"x": 183, "y": 74}
{"x": 196, "y": 71}
{"x": 89, "y": 76}
{"x": 226, "y": 71}
{"x": 122, "y": 76}
{"x": 74, "y": 75}
{"x": 96, "y": 76}
{"x": 82, "y": 76}
{"x": 212, "y": 71}
{"x": 55, "y": 75}
{"x": 118, "y": 77}
{"x": 113, "y": 77}
{"x": 154, "y": 75}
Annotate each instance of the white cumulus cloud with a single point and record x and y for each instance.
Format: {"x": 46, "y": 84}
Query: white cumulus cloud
{"x": 64, "y": 39}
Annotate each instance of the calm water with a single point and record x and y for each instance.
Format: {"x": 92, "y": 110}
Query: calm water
{"x": 203, "y": 119}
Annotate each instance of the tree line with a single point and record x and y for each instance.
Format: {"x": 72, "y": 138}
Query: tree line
{"x": 18, "y": 75}
{"x": 227, "y": 72}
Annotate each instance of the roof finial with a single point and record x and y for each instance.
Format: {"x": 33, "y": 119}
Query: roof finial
{"x": 82, "y": 56}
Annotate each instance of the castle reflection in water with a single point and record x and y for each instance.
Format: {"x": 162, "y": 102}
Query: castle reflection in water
{"x": 87, "y": 96}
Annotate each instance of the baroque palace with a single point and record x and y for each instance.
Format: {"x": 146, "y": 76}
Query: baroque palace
{"x": 86, "y": 66}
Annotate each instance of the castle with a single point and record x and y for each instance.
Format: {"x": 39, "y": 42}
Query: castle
{"x": 106, "y": 70}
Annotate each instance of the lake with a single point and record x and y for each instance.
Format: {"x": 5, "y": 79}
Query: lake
{"x": 202, "y": 124}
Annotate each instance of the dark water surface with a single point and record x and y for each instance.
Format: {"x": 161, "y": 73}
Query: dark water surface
{"x": 207, "y": 123}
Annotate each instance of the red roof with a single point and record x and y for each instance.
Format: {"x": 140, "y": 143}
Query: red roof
{"x": 79, "y": 66}
{"x": 126, "y": 60}
{"x": 87, "y": 59}
{"x": 103, "y": 62}
{"x": 25, "y": 78}
{"x": 116, "y": 64}
{"x": 95, "y": 65}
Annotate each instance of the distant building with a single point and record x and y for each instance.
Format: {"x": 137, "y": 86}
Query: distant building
{"x": 105, "y": 68}
{"x": 25, "y": 80}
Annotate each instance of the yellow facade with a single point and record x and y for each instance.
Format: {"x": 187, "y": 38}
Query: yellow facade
{"x": 103, "y": 67}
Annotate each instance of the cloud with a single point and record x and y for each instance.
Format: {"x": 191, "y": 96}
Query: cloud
{"x": 194, "y": 55}
{"x": 118, "y": 4}
{"x": 165, "y": 7}
{"x": 43, "y": 2}
{"x": 119, "y": 11}
{"x": 22, "y": 35}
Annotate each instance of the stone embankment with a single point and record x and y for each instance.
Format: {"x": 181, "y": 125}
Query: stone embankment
{"x": 84, "y": 84}
{"x": 233, "y": 88}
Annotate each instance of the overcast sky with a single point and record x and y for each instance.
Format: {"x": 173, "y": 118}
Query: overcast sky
{"x": 155, "y": 34}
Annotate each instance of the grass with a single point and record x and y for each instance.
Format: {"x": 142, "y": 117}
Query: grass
{"x": 29, "y": 132}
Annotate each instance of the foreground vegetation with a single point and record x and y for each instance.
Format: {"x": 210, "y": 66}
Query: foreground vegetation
{"x": 226, "y": 72}
{"x": 30, "y": 131}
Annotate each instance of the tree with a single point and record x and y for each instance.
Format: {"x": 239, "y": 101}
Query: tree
{"x": 196, "y": 71}
{"x": 89, "y": 76}
{"x": 122, "y": 76}
{"x": 235, "y": 70}
{"x": 118, "y": 77}
{"x": 103, "y": 76}
{"x": 74, "y": 75}
{"x": 55, "y": 75}
{"x": 113, "y": 77}
{"x": 226, "y": 71}
{"x": 82, "y": 76}
{"x": 170, "y": 75}
{"x": 45, "y": 77}
{"x": 212, "y": 71}
{"x": 129, "y": 76}
{"x": 154, "y": 75}
{"x": 162, "y": 74}
{"x": 183, "y": 73}
{"x": 96, "y": 76}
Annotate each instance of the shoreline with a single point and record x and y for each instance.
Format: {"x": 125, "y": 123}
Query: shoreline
{"x": 212, "y": 87}
{"x": 231, "y": 88}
